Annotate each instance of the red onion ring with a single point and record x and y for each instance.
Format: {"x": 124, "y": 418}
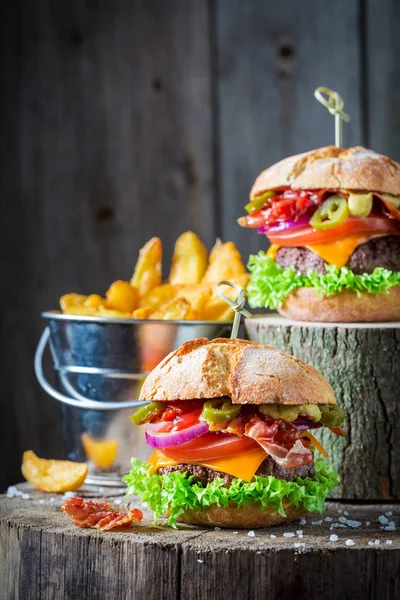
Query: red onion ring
{"x": 285, "y": 225}
{"x": 162, "y": 440}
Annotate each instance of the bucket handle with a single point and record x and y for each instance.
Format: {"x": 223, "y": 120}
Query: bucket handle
{"x": 84, "y": 403}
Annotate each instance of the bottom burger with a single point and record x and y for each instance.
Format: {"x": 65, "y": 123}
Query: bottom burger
{"x": 230, "y": 422}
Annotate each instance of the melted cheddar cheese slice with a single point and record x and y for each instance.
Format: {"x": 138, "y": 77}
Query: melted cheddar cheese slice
{"x": 334, "y": 253}
{"x": 243, "y": 465}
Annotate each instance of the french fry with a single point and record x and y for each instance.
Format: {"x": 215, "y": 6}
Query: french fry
{"x": 53, "y": 475}
{"x": 225, "y": 263}
{"x": 190, "y": 259}
{"x": 71, "y": 300}
{"x": 158, "y": 296}
{"x": 122, "y": 296}
{"x": 175, "y": 310}
{"x": 147, "y": 274}
{"x": 83, "y": 311}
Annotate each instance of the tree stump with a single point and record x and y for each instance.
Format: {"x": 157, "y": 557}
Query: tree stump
{"x": 361, "y": 362}
{"x": 44, "y": 557}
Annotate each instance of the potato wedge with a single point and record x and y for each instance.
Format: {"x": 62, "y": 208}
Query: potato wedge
{"x": 53, "y": 475}
{"x": 69, "y": 300}
{"x": 141, "y": 313}
{"x": 190, "y": 259}
{"x": 101, "y": 452}
{"x": 158, "y": 296}
{"x": 122, "y": 296}
{"x": 112, "y": 314}
{"x": 83, "y": 311}
{"x": 94, "y": 301}
{"x": 147, "y": 274}
{"x": 225, "y": 263}
{"x": 175, "y": 310}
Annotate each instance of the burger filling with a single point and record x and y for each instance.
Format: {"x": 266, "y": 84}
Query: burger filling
{"x": 215, "y": 452}
{"x": 327, "y": 239}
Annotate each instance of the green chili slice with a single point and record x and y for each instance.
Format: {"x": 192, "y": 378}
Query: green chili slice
{"x": 332, "y": 416}
{"x": 332, "y": 213}
{"x": 259, "y": 202}
{"x": 144, "y": 414}
{"x": 219, "y": 410}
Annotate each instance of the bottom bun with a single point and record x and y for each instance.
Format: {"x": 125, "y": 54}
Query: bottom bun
{"x": 241, "y": 518}
{"x": 345, "y": 307}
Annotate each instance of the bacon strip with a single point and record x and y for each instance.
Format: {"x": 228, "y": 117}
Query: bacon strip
{"x": 99, "y": 515}
{"x": 280, "y": 440}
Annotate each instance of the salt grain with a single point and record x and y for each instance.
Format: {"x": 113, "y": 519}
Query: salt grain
{"x": 235, "y": 532}
{"x": 339, "y": 511}
{"x": 273, "y": 537}
{"x": 389, "y": 513}
{"x": 383, "y": 520}
{"x": 371, "y": 543}
{"x": 334, "y": 537}
{"x": 299, "y": 544}
{"x": 68, "y": 495}
{"x": 341, "y": 525}
{"x": 316, "y": 522}
{"x": 288, "y": 534}
{"x": 377, "y": 542}
{"x": 390, "y": 527}
{"x": 302, "y": 521}
{"x": 354, "y": 523}
{"x": 252, "y": 534}
{"x": 117, "y": 501}
{"x": 328, "y": 519}
{"x": 350, "y": 543}
{"x": 199, "y": 560}
{"x": 346, "y": 513}
{"x": 368, "y": 523}
{"x": 217, "y": 528}
{"x": 299, "y": 532}
{"x": 41, "y": 501}
{"x": 389, "y": 542}
{"x": 342, "y": 520}
{"x": 25, "y": 496}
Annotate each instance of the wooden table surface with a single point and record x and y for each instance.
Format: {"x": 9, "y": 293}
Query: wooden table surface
{"x": 43, "y": 556}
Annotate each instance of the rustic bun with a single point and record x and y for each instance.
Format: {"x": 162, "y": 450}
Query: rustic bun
{"x": 246, "y": 372}
{"x": 351, "y": 169}
{"x": 344, "y": 307}
{"x": 242, "y": 518}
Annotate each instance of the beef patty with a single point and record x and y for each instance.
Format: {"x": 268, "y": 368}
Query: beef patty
{"x": 379, "y": 252}
{"x": 202, "y": 475}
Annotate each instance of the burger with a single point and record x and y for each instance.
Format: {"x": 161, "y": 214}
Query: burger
{"x": 230, "y": 422}
{"x": 332, "y": 217}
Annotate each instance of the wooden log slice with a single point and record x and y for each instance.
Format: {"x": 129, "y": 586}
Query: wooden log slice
{"x": 361, "y": 362}
{"x": 43, "y": 556}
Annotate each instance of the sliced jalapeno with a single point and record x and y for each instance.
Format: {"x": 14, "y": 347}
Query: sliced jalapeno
{"x": 332, "y": 213}
{"x": 259, "y": 202}
{"x": 332, "y": 416}
{"x": 144, "y": 414}
{"x": 219, "y": 410}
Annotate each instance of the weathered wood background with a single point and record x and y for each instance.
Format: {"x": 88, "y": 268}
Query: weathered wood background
{"x": 124, "y": 119}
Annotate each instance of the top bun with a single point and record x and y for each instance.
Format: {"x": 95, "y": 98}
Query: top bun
{"x": 331, "y": 167}
{"x": 244, "y": 371}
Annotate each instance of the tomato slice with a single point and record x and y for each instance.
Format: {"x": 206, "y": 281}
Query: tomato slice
{"x": 173, "y": 420}
{"x": 208, "y": 446}
{"x": 307, "y": 236}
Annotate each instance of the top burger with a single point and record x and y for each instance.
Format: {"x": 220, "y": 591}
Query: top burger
{"x": 332, "y": 217}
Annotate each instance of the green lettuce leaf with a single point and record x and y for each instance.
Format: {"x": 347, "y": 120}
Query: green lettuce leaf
{"x": 176, "y": 492}
{"x": 270, "y": 283}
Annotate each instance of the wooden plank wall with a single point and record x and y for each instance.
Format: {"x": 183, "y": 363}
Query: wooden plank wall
{"x": 133, "y": 118}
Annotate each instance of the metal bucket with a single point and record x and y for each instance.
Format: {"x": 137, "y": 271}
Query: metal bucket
{"x": 100, "y": 365}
